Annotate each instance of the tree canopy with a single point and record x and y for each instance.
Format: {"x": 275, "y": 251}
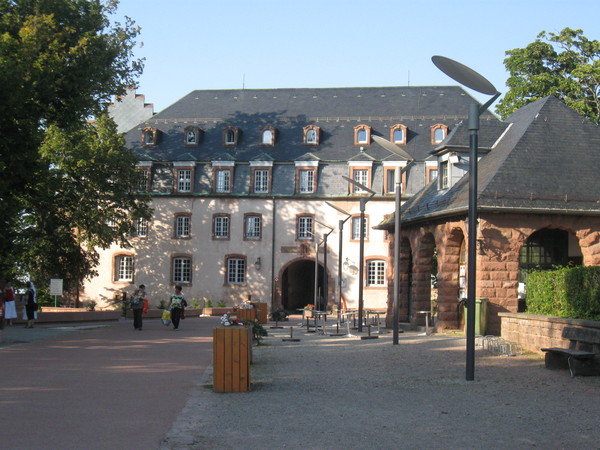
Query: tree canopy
{"x": 62, "y": 175}
{"x": 566, "y": 65}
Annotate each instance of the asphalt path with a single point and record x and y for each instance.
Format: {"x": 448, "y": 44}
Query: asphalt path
{"x": 100, "y": 386}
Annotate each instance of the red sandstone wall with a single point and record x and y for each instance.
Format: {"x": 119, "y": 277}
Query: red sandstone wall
{"x": 500, "y": 238}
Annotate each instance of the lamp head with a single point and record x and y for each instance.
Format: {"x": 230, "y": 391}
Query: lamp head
{"x": 464, "y": 75}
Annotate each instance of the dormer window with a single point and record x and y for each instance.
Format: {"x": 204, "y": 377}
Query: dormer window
{"x": 362, "y": 135}
{"x": 438, "y": 133}
{"x": 149, "y": 136}
{"x": 230, "y": 136}
{"x": 444, "y": 177}
{"x": 312, "y": 135}
{"x": 191, "y": 136}
{"x": 267, "y": 136}
{"x": 398, "y": 134}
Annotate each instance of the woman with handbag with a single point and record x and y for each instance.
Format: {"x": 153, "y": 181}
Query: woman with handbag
{"x": 137, "y": 306}
{"x": 31, "y": 305}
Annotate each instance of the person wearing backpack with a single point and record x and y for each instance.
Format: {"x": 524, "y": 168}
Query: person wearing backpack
{"x": 137, "y": 306}
{"x": 176, "y": 305}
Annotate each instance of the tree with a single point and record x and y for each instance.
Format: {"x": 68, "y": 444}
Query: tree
{"x": 566, "y": 65}
{"x": 61, "y": 62}
{"x": 86, "y": 200}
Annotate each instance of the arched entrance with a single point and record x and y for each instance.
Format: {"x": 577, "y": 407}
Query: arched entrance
{"x": 544, "y": 250}
{"x": 298, "y": 285}
{"x": 423, "y": 266}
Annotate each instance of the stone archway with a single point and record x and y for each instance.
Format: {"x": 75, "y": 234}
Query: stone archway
{"x": 451, "y": 276}
{"x": 297, "y": 284}
{"x": 545, "y": 249}
{"x": 405, "y": 294}
{"x": 421, "y": 279}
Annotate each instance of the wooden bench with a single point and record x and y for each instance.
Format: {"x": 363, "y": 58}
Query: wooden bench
{"x": 582, "y": 358}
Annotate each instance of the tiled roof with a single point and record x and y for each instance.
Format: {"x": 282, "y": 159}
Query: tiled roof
{"x": 547, "y": 160}
{"x": 335, "y": 110}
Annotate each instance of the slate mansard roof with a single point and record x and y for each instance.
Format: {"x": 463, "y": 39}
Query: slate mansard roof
{"x": 546, "y": 161}
{"x": 335, "y": 110}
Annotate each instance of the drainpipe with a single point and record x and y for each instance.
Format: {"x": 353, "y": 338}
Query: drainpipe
{"x": 274, "y": 216}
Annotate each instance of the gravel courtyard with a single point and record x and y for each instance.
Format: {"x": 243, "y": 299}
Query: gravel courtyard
{"x": 329, "y": 392}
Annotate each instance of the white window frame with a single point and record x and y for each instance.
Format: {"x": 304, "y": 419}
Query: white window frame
{"x": 141, "y": 227}
{"x": 236, "y": 270}
{"x": 182, "y": 226}
{"x": 444, "y": 174}
{"x": 124, "y": 268}
{"x": 182, "y": 269}
{"x": 221, "y": 227}
{"x": 305, "y": 228}
{"x": 253, "y": 228}
{"x": 223, "y": 181}
{"x": 184, "y": 180}
{"x": 306, "y": 181}
{"x": 356, "y": 228}
{"x": 143, "y": 180}
{"x": 261, "y": 181}
{"x": 376, "y": 272}
{"x": 361, "y": 176}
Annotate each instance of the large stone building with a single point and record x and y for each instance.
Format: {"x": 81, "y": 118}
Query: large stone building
{"x": 242, "y": 183}
{"x": 538, "y": 206}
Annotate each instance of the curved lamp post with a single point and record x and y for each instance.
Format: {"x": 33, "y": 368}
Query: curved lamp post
{"x": 341, "y": 223}
{"x": 361, "y": 269}
{"x": 471, "y": 79}
{"x": 397, "y": 225}
{"x": 323, "y": 306}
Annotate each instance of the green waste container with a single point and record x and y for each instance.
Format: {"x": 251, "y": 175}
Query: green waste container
{"x": 480, "y": 315}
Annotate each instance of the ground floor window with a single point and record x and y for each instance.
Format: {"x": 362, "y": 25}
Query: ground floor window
{"x": 376, "y": 273}
{"x": 236, "y": 270}
{"x": 182, "y": 270}
{"x": 124, "y": 268}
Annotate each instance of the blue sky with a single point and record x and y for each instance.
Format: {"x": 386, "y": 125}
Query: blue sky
{"x": 221, "y": 44}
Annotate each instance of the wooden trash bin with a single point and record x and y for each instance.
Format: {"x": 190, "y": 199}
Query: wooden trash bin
{"x": 232, "y": 348}
{"x": 262, "y": 312}
{"x": 249, "y": 314}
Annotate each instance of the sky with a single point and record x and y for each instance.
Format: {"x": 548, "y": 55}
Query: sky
{"x": 258, "y": 44}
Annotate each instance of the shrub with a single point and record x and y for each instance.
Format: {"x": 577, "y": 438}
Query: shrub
{"x": 572, "y": 292}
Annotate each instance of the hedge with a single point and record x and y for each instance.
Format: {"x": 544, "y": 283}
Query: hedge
{"x": 572, "y": 292}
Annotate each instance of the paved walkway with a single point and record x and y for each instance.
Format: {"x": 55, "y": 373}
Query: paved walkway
{"x": 98, "y": 386}
{"x": 112, "y": 387}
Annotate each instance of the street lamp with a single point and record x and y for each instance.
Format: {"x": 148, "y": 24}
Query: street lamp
{"x": 325, "y": 284}
{"x": 316, "y": 290}
{"x": 361, "y": 269}
{"x": 340, "y": 244}
{"x": 397, "y": 225}
{"x": 471, "y": 79}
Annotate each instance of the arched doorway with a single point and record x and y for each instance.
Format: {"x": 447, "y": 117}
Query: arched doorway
{"x": 543, "y": 250}
{"x": 423, "y": 267}
{"x": 298, "y": 285}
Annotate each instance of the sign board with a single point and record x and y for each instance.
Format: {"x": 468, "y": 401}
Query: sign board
{"x": 56, "y": 286}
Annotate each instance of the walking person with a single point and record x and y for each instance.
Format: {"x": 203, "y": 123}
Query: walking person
{"x": 137, "y": 306}
{"x": 10, "y": 309}
{"x": 30, "y": 304}
{"x": 176, "y": 305}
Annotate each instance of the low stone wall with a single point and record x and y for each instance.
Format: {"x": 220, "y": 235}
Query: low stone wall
{"x": 157, "y": 313}
{"x": 60, "y": 315}
{"x": 533, "y": 331}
